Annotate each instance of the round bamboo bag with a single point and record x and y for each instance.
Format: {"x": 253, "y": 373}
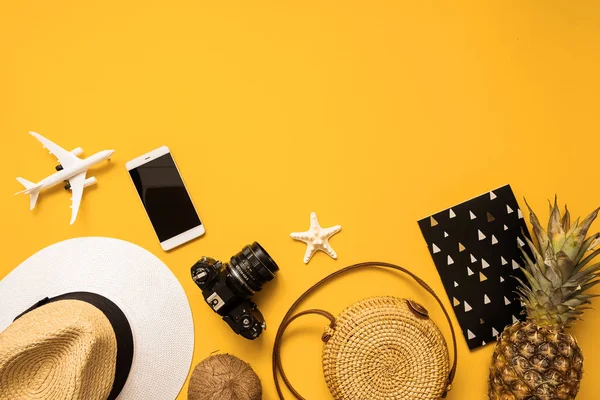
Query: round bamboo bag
{"x": 379, "y": 348}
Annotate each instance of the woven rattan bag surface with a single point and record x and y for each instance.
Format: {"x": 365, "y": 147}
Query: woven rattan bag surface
{"x": 379, "y": 348}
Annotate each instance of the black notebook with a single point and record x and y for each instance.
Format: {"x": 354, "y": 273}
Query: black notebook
{"x": 475, "y": 248}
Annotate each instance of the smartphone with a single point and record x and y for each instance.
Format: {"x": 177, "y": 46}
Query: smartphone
{"x": 165, "y": 198}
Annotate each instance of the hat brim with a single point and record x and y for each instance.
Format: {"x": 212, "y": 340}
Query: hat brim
{"x": 139, "y": 283}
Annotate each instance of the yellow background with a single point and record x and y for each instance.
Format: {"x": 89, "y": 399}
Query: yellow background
{"x": 371, "y": 113}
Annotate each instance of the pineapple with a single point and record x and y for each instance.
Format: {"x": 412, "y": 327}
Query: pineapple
{"x": 538, "y": 359}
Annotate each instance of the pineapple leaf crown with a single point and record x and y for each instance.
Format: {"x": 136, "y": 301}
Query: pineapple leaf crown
{"x": 556, "y": 276}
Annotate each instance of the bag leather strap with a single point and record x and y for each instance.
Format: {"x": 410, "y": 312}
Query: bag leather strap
{"x": 288, "y": 319}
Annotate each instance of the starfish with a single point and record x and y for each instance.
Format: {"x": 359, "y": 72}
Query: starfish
{"x": 316, "y": 238}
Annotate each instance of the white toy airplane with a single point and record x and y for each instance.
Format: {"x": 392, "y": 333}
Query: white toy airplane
{"x": 71, "y": 169}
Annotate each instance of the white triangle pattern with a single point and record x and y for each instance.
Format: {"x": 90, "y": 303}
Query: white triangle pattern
{"x": 514, "y": 319}
{"x": 482, "y": 234}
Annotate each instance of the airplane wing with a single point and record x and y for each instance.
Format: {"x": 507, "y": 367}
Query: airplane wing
{"x": 77, "y": 183}
{"x": 65, "y": 158}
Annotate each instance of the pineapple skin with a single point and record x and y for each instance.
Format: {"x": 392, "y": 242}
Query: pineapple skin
{"x": 532, "y": 362}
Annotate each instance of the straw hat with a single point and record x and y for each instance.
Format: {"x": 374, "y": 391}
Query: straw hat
{"x": 66, "y": 349}
{"x": 113, "y": 322}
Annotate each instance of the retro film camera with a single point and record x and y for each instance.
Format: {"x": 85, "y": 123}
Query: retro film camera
{"x": 227, "y": 287}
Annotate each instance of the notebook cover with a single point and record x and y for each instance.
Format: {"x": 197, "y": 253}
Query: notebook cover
{"x": 475, "y": 248}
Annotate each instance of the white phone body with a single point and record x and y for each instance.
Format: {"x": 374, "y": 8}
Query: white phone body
{"x": 181, "y": 237}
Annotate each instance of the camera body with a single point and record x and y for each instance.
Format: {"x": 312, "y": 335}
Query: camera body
{"x": 227, "y": 287}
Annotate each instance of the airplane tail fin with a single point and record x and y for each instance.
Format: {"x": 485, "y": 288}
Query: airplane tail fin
{"x": 32, "y": 189}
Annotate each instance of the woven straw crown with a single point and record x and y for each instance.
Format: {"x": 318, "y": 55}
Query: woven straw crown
{"x": 382, "y": 348}
{"x": 60, "y": 351}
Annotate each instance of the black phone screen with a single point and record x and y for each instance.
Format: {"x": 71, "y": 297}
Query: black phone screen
{"x": 165, "y": 198}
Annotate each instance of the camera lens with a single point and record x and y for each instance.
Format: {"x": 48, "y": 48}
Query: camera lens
{"x": 251, "y": 268}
